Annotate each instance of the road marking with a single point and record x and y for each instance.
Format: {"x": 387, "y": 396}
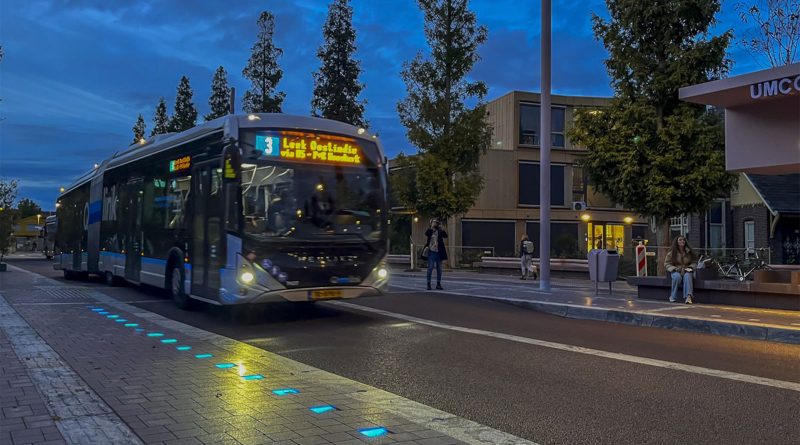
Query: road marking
{"x": 792, "y": 386}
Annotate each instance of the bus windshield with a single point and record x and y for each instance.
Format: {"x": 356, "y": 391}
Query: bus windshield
{"x": 312, "y": 202}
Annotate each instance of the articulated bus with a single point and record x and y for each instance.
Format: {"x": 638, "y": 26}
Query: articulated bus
{"x": 241, "y": 209}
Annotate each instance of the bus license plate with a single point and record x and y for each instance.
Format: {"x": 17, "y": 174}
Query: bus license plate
{"x": 325, "y": 294}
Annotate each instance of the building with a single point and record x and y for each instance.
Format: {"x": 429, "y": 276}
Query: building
{"x": 28, "y": 232}
{"x": 762, "y": 144}
{"x": 508, "y": 205}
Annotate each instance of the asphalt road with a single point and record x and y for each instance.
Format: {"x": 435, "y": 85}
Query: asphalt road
{"x": 542, "y": 394}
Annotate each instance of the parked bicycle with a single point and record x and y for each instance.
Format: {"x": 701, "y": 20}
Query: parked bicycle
{"x": 734, "y": 269}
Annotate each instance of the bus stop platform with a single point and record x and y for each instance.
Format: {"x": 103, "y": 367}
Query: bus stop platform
{"x": 79, "y": 367}
{"x": 583, "y": 299}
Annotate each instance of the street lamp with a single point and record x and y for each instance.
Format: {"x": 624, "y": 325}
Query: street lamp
{"x": 544, "y": 150}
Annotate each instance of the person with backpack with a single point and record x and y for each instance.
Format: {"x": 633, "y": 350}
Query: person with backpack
{"x": 526, "y": 257}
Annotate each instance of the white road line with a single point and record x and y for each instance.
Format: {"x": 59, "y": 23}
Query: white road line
{"x": 791, "y": 386}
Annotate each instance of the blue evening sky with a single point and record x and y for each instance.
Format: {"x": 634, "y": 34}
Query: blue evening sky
{"x": 77, "y": 72}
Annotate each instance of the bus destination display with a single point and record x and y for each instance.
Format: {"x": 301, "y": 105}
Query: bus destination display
{"x": 309, "y": 147}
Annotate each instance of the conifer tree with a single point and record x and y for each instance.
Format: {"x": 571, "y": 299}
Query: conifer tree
{"x": 263, "y": 71}
{"x": 336, "y": 85}
{"x": 450, "y": 135}
{"x": 220, "y": 97}
{"x": 139, "y": 129}
{"x": 648, "y": 150}
{"x": 184, "y": 116}
{"x": 160, "y": 119}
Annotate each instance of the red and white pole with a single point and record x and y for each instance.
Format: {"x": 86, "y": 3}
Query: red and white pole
{"x": 641, "y": 260}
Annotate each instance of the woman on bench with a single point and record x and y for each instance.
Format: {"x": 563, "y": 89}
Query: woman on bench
{"x": 680, "y": 265}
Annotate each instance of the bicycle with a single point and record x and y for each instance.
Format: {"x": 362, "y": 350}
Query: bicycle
{"x": 731, "y": 270}
{"x": 760, "y": 264}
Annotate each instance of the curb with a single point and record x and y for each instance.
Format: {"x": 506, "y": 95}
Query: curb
{"x": 643, "y": 319}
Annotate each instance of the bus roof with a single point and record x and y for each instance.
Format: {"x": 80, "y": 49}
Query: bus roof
{"x": 161, "y": 142}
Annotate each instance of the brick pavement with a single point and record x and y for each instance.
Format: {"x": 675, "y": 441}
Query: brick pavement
{"x": 220, "y": 391}
{"x": 24, "y": 418}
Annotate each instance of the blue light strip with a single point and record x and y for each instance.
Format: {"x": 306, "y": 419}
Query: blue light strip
{"x": 183, "y": 348}
{"x": 131, "y": 325}
{"x": 155, "y": 334}
{"x": 322, "y": 409}
{"x": 285, "y": 391}
{"x": 120, "y": 320}
{"x": 203, "y": 355}
{"x": 253, "y": 377}
{"x": 373, "y": 432}
{"x": 98, "y": 309}
{"x": 225, "y": 365}
{"x": 169, "y": 340}
{"x": 112, "y": 316}
{"x": 104, "y": 312}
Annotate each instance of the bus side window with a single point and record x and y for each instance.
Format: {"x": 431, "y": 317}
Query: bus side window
{"x": 178, "y": 192}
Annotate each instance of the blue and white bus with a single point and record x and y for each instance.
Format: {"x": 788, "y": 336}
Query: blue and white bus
{"x": 242, "y": 209}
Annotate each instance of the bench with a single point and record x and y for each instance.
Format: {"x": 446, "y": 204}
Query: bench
{"x": 771, "y": 291}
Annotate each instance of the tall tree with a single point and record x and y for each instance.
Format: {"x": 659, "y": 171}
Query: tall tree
{"x": 184, "y": 116}
{"x": 219, "y": 101}
{"x": 139, "y": 129}
{"x": 336, "y": 85}
{"x": 26, "y": 207}
{"x": 263, "y": 71}
{"x": 775, "y": 29}
{"x": 450, "y": 135}
{"x": 8, "y": 193}
{"x": 160, "y": 119}
{"x": 648, "y": 150}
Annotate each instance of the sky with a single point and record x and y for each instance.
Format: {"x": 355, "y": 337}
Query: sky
{"x": 76, "y": 73}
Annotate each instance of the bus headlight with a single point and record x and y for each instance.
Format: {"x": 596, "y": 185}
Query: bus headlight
{"x": 247, "y": 277}
{"x": 382, "y": 273}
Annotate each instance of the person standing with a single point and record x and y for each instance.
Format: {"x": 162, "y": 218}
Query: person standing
{"x": 526, "y": 257}
{"x": 437, "y": 252}
{"x": 680, "y": 265}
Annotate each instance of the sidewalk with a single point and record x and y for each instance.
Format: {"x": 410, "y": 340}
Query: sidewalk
{"x": 108, "y": 372}
{"x": 576, "y": 298}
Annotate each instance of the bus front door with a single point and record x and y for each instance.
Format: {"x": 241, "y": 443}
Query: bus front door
{"x": 207, "y": 251}
{"x": 133, "y": 229}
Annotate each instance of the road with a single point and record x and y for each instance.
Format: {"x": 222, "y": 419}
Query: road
{"x": 518, "y": 371}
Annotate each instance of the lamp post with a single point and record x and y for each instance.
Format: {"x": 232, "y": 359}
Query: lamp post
{"x": 544, "y": 148}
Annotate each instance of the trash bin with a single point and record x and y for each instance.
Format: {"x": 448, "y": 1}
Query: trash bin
{"x": 603, "y": 266}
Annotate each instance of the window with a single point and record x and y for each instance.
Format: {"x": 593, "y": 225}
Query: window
{"x": 530, "y": 119}
{"x": 749, "y": 237}
{"x": 679, "y": 226}
{"x": 176, "y": 198}
{"x": 563, "y": 240}
{"x": 529, "y": 184}
{"x": 497, "y": 234}
{"x": 716, "y": 226}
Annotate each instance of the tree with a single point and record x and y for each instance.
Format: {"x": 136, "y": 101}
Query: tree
{"x": 220, "y": 98}
{"x": 184, "y": 116}
{"x": 776, "y": 29}
{"x": 26, "y": 207}
{"x": 139, "y": 129}
{"x": 160, "y": 119}
{"x": 263, "y": 71}
{"x": 648, "y": 150}
{"x": 336, "y": 85}
{"x": 443, "y": 179}
{"x": 8, "y": 193}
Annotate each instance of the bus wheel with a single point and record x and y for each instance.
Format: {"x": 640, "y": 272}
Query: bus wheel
{"x": 110, "y": 279}
{"x": 176, "y": 288}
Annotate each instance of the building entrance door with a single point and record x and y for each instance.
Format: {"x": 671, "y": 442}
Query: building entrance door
{"x": 608, "y": 236}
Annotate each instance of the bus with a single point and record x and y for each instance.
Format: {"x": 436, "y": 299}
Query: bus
{"x": 241, "y": 209}
{"x": 49, "y": 236}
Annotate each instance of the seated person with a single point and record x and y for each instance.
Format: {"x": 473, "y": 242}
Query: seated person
{"x": 680, "y": 263}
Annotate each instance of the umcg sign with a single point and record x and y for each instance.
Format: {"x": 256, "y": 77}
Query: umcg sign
{"x": 777, "y": 87}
